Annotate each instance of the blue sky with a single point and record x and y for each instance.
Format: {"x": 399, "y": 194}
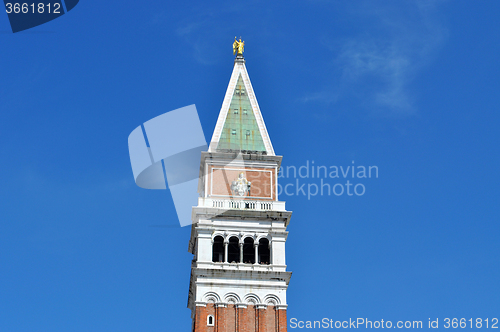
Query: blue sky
{"x": 408, "y": 86}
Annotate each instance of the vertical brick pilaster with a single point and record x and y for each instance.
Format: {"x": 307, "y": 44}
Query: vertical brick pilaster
{"x": 230, "y": 318}
{"x": 252, "y": 320}
{"x": 221, "y": 319}
{"x": 270, "y": 319}
{"x": 200, "y": 313}
{"x": 242, "y": 319}
{"x": 261, "y": 314}
{"x": 282, "y": 322}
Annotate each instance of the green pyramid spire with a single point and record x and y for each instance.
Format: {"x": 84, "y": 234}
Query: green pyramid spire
{"x": 240, "y": 131}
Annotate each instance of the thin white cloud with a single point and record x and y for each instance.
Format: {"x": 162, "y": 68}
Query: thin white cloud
{"x": 389, "y": 66}
{"x": 190, "y": 33}
{"x": 378, "y": 66}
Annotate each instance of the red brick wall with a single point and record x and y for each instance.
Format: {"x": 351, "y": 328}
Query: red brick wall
{"x": 233, "y": 319}
{"x": 246, "y": 319}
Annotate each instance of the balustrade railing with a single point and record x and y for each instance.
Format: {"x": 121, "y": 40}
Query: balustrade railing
{"x": 242, "y": 204}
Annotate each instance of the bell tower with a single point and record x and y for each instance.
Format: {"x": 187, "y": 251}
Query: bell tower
{"x": 238, "y": 273}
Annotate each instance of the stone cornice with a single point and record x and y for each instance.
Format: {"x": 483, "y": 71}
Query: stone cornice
{"x": 230, "y": 156}
{"x": 239, "y": 214}
{"x": 283, "y": 276}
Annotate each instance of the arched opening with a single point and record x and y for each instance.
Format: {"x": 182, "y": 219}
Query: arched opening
{"x": 218, "y": 249}
{"x": 210, "y": 320}
{"x": 248, "y": 251}
{"x": 264, "y": 252}
{"x": 233, "y": 250}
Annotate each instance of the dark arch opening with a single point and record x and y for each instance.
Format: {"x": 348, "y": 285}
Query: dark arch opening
{"x": 248, "y": 251}
{"x": 233, "y": 250}
{"x": 218, "y": 249}
{"x": 264, "y": 251}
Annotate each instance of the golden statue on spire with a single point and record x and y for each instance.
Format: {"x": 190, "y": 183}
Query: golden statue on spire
{"x": 238, "y": 46}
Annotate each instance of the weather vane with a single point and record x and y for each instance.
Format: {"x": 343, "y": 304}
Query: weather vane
{"x": 238, "y": 46}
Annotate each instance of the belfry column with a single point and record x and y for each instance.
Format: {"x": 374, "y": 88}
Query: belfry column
{"x": 241, "y": 251}
{"x": 225, "y": 250}
{"x": 256, "y": 248}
